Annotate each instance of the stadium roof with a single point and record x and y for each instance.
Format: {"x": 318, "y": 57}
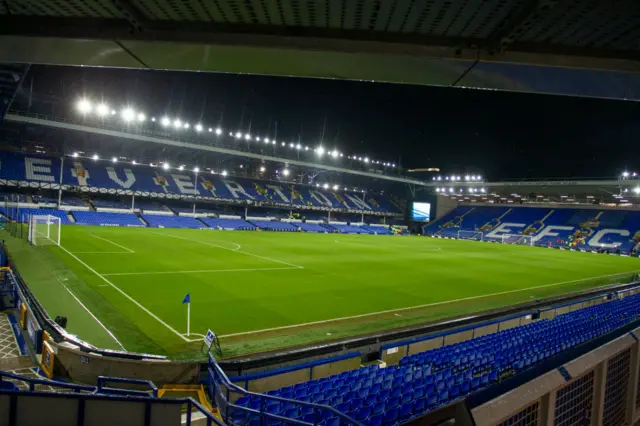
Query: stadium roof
{"x": 587, "y": 48}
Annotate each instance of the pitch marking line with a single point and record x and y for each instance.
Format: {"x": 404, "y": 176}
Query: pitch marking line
{"x": 236, "y": 251}
{"x": 134, "y": 301}
{"x": 420, "y": 306}
{"x": 202, "y": 271}
{"x": 115, "y": 244}
{"x": 91, "y": 314}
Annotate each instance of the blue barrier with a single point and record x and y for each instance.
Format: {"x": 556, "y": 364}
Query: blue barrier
{"x": 220, "y": 389}
{"x": 288, "y": 369}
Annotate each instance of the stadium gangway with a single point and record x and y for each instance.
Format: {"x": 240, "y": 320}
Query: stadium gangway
{"x": 221, "y": 388}
{"x": 100, "y": 392}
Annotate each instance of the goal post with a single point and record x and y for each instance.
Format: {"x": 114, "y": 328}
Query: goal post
{"x": 44, "y": 230}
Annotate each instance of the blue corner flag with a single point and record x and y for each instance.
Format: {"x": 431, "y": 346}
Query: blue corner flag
{"x": 187, "y": 298}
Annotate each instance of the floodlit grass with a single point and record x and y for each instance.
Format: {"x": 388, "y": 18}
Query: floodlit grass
{"x": 247, "y": 286}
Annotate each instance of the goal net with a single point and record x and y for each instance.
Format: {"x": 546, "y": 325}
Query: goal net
{"x": 44, "y": 230}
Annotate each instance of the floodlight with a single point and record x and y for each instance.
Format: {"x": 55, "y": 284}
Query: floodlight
{"x": 306, "y": 148}
{"x": 325, "y": 186}
{"x": 483, "y": 190}
{"x": 114, "y": 159}
{"x": 298, "y": 147}
{"x": 479, "y": 177}
{"x": 439, "y": 177}
{"x": 95, "y": 157}
{"x": 437, "y": 189}
{"x": 218, "y": 131}
{"x": 165, "y": 121}
{"x": 266, "y": 140}
{"x": 186, "y": 125}
{"x": 165, "y": 166}
{"x": 625, "y": 174}
{"x": 196, "y": 169}
{"x": 247, "y": 136}
{"x": 450, "y": 189}
{"x": 153, "y": 119}
{"x": 345, "y": 188}
{"x": 210, "y": 130}
{"x": 102, "y": 110}
{"x": 258, "y": 138}
{"x": 634, "y": 174}
{"x": 291, "y": 145}
{"x": 262, "y": 169}
{"x": 142, "y": 117}
{"x": 84, "y": 106}
{"x": 198, "y": 127}
{"x": 273, "y": 142}
{"x": 181, "y": 168}
{"x": 238, "y": 135}
{"x": 335, "y": 187}
{"x": 75, "y": 155}
{"x": 366, "y": 159}
{"x": 284, "y": 144}
{"x": 224, "y": 173}
{"x": 334, "y": 153}
{"x": 470, "y": 189}
{"x": 636, "y": 189}
{"x": 467, "y": 177}
{"x": 320, "y": 150}
{"x": 134, "y": 162}
{"x": 393, "y": 165}
{"x": 285, "y": 172}
{"x": 128, "y": 114}
{"x": 177, "y": 124}
{"x": 113, "y": 112}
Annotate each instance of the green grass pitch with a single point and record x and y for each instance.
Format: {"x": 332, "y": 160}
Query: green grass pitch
{"x": 122, "y": 287}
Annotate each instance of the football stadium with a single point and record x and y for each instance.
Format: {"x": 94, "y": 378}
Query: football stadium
{"x": 264, "y": 213}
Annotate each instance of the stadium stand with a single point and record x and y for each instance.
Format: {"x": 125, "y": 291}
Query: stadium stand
{"x": 162, "y": 221}
{"x": 584, "y": 229}
{"x": 22, "y": 214}
{"x": 88, "y": 173}
{"x": 348, "y": 229}
{"x": 106, "y": 219}
{"x": 273, "y": 225}
{"x": 228, "y": 224}
{"x": 428, "y": 380}
{"x": 109, "y": 203}
{"x": 310, "y": 227}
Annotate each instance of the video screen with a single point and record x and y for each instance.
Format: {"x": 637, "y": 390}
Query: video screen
{"x": 420, "y": 212}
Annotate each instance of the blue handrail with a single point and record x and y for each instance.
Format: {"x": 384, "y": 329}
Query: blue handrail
{"x": 218, "y": 379}
{"x": 85, "y": 392}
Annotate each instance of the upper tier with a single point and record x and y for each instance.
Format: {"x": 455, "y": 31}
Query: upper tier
{"x": 152, "y": 181}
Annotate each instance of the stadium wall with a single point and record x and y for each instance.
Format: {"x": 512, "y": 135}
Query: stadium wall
{"x": 287, "y": 376}
{"x": 72, "y": 362}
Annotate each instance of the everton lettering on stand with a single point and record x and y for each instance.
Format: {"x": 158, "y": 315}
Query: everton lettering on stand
{"x": 91, "y": 176}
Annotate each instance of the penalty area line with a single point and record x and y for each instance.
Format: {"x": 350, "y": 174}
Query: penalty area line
{"x": 134, "y": 301}
{"x": 115, "y": 244}
{"x": 115, "y": 339}
{"x": 202, "y": 271}
{"x": 444, "y": 302}
{"x": 235, "y": 251}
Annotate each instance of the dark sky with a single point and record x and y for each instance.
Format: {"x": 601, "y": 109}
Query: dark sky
{"x": 501, "y": 135}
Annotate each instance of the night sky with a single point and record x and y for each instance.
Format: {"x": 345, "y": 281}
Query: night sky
{"x": 501, "y": 135}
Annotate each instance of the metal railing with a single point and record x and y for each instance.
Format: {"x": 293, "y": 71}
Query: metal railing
{"x": 221, "y": 391}
{"x": 100, "y": 392}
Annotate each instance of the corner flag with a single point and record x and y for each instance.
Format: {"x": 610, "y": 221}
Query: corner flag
{"x": 187, "y": 300}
